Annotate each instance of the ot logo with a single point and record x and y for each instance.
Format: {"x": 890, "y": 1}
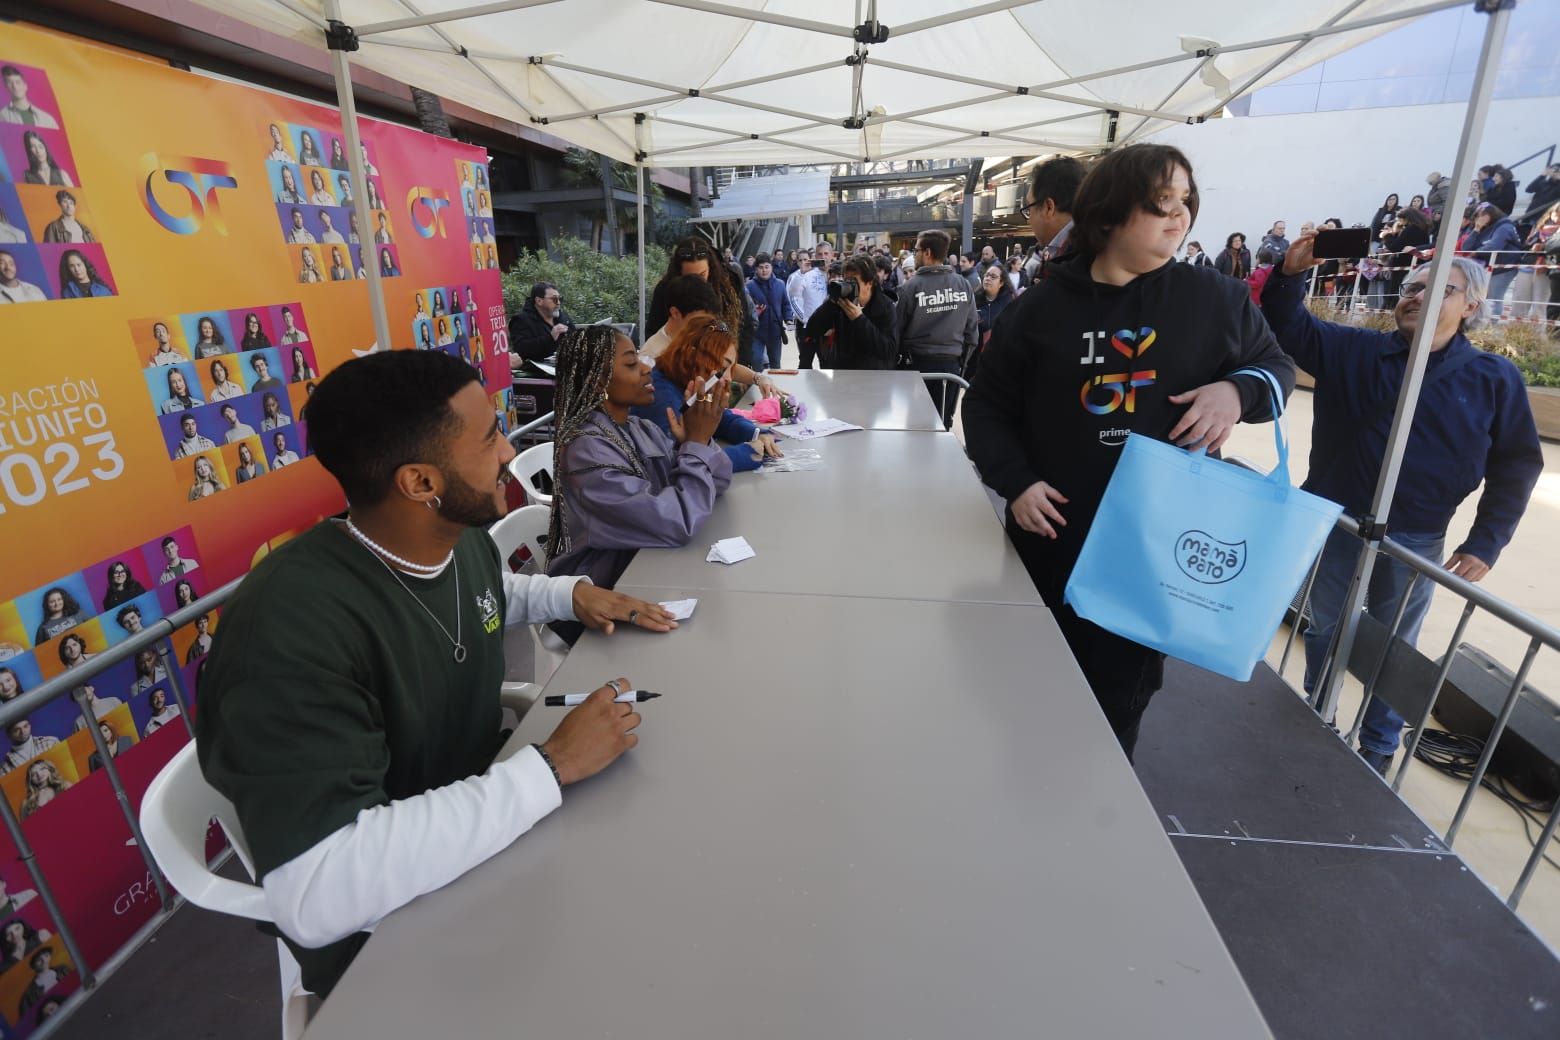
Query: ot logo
{"x": 426, "y": 206}
{"x": 1121, "y": 388}
{"x": 200, "y": 179}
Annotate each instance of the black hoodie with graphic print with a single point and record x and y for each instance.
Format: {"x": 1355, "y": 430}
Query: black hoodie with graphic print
{"x": 1075, "y": 365}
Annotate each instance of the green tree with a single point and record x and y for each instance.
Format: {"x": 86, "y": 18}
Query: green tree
{"x": 594, "y": 286}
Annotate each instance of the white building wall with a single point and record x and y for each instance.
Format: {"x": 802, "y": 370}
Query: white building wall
{"x": 1311, "y": 166}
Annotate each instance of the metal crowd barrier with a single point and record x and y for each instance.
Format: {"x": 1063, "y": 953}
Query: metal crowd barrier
{"x": 1363, "y": 293}
{"x": 520, "y": 432}
{"x": 945, "y": 379}
{"x": 71, "y": 684}
{"x": 1539, "y": 633}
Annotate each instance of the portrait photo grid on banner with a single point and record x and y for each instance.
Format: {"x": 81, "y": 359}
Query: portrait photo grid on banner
{"x": 307, "y": 170}
{"x": 228, "y": 389}
{"x": 476, "y": 203}
{"x": 446, "y": 318}
{"x": 49, "y": 249}
{"x": 51, "y": 759}
{"x": 188, "y": 370}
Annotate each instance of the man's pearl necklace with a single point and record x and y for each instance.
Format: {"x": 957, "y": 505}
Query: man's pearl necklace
{"x": 406, "y": 565}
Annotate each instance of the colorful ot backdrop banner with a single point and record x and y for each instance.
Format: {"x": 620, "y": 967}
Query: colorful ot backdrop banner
{"x": 180, "y": 263}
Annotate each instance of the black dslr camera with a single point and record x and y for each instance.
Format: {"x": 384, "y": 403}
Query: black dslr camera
{"x": 843, "y": 289}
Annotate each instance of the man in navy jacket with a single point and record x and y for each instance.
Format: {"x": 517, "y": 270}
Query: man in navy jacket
{"x": 774, "y": 310}
{"x": 1473, "y": 423}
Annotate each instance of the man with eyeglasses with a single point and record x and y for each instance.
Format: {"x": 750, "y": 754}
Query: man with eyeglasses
{"x": 1473, "y": 424}
{"x": 1048, "y": 203}
{"x": 534, "y": 332}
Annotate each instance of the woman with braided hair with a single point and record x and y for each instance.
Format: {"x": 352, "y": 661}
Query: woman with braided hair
{"x": 623, "y": 484}
{"x": 697, "y": 257}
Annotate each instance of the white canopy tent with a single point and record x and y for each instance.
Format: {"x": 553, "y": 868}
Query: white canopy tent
{"x": 726, "y": 82}
{"x": 778, "y": 81}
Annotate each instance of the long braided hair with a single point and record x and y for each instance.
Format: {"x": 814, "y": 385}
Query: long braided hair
{"x": 585, "y": 357}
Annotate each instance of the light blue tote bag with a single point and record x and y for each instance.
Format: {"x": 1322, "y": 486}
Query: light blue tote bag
{"x": 1198, "y": 558}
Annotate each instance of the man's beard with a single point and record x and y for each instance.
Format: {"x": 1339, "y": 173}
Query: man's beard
{"x": 467, "y": 506}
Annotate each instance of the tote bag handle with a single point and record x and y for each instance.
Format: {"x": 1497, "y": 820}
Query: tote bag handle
{"x": 1280, "y": 474}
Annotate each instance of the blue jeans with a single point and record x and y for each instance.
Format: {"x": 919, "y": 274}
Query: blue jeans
{"x": 1388, "y": 581}
{"x": 1500, "y": 281}
{"x": 765, "y": 355}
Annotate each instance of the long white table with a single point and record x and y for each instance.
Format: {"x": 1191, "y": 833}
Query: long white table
{"x": 877, "y": 799}
{"x": 871, "y": 400}
{"x": 900, "y": 515}
{"x": 902, "y": 819}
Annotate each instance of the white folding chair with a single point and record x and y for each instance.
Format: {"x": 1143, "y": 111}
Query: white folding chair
{"x": 525, "y": 466}
{"x": 176, "y": 812}
{"x": 527, "y": 526}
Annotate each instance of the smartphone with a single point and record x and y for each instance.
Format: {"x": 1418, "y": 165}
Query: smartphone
{"x": 709, "y": 384}
{"x": 1341, "y": 244}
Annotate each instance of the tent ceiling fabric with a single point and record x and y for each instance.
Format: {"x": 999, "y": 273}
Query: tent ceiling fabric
{"x": 948, "y": 91}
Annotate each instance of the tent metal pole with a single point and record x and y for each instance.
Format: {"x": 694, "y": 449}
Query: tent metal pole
{"x": 1276, "y": 62}
{"x": 595, "y": 113}
{"x": 359, "y": 176}
{"x": 471, "y": 57}
{"x": 458, "y": 15}
{"x": 573, "y": 97}
{"x": 1126, "y": 138}
{"x": 777, "y": 77}
{"x": 639, "y": 165}
{"x": 742, "y": 135}
{"x": 1332, "y": 30}
{"x": 303, "y": 12}
{"x": 729, "y": 136}
{"x": 1474, "y": 118}
{"x": 454, "y": 48}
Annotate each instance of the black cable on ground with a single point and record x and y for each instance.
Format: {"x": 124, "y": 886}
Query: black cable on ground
{"x": 1456, "y": 755}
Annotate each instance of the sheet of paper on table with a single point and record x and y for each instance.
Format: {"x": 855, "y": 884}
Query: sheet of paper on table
{"x": 680, "y": 609}
{"x": 817, "y": 428}
{"x": 731, "y": 550}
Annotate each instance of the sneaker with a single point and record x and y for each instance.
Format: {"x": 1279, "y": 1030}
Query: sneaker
{"x": 1377, "y": 760}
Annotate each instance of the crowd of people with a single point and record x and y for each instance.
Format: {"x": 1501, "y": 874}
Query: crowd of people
{"x": 350, "y": 708}
{"x": 1520, "y": 251}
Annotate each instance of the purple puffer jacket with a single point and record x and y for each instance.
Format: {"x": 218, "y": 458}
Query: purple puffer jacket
{"x": 610, "y": 512}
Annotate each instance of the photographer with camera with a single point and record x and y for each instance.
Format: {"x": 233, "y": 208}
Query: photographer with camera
{"x": 854, "y": 327}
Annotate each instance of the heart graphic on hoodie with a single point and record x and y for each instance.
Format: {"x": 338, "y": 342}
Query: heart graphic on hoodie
{"x": 1121, "y": 386}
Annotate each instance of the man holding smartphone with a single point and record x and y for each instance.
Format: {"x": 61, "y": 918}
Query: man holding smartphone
{"x": 1473, "y": 424}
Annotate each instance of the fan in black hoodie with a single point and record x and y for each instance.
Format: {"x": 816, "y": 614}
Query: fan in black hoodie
{"x": 1078, "y": 363}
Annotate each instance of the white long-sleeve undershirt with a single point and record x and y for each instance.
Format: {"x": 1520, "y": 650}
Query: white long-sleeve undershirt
{"x": 340, "y": 886}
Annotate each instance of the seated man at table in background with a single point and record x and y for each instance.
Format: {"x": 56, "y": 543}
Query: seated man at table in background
{"x": 688, "y": 295}
{"x": 350, "y": 704}
{"x": 622, "y": 484}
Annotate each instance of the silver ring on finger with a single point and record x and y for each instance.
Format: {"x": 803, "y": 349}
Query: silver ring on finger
{"x": 615, "y": 687}
{"x": 633, "y": 616}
